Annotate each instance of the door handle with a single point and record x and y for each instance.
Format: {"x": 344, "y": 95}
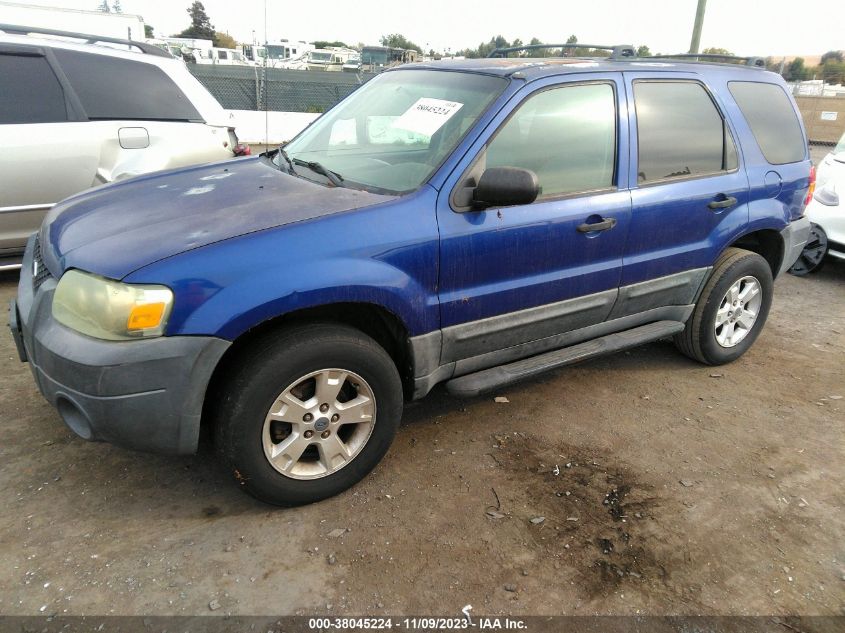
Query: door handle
{"x": 729, "y": 201}
{"x": 604, "y": 225}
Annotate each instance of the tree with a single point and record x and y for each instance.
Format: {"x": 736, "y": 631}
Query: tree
{"x": 327, "y": 44}
{"x": 796, "y": 70}
{"x": 716, "y": 51}
{"x": 397, "y": 40}
{"x": 148, "y": 31}
{"x": 538, "y": 52}
{"x": 104, "y": 7}
{"x": 832, "y": 72}
{"x": 832, "y": 56}
{"x": 643, "y": 51}
{"x": 224, "y": 40}
{"x": 116, "y": 7}
{"x": 201, "y": 27}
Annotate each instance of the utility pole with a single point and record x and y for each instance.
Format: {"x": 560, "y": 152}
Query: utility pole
{"x": 696, "y": 28}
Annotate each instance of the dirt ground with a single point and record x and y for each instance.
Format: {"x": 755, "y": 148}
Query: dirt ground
{"x": 664, "y": 487}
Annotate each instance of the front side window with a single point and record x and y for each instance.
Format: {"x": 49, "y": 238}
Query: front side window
{"x": 566, "y": 136}
{"x": 30, "y": 93}
{"x": 394, "y": 131}
{"x": 772, "y": 120}
{"x": 680, "y": 132}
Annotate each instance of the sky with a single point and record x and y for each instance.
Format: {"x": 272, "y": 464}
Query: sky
{"x": 745, "y": 27}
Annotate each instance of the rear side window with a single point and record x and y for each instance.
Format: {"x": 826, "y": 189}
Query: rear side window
{"x": 680, "y": 132}
{"x": 772, "y": 120}
{"x": 567, "y": 136}
{"x": 30, "y": 91}
{"x": 114, "y": 88}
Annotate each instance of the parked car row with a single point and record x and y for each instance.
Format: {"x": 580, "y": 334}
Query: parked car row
{"x": 74, "y": 115}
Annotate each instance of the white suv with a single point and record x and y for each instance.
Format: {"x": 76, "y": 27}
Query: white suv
{"x": 78, "y": 111}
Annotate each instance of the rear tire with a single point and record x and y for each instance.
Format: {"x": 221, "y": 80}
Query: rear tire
{"x": 731, "y": 311}
{"x": 307, "y": 413}
{"x": 813, "y": 254}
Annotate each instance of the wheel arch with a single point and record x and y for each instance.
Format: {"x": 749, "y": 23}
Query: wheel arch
{"x": 766, "y": 242}
{"x": 374, "y": 320}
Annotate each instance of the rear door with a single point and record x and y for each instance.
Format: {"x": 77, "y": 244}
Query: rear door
{"x": 140, "y": 117}
{"x": 47, "y": 155}
{"x": 521, "y": 273}
{"x": 689, "y": 190}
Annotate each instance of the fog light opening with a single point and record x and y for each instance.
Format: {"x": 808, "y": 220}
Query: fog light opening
{"x": 74, "y": 418}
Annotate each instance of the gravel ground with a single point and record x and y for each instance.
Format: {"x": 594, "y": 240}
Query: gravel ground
{"x": 637, "y": 483}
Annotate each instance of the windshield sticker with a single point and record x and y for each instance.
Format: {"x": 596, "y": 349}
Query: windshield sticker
{"x": 427, "y": 115}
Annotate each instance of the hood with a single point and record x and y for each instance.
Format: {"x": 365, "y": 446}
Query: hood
{"x": 119, "y": 228}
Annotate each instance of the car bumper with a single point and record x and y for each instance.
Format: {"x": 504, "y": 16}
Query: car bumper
{"x": 144, "y": 395}
{"x": 795, "y": 237}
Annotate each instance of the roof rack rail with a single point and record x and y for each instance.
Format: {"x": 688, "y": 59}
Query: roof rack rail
{"x": 616, "y": 52}
{"x": 757, "y": 62}
{"x": 145, "y": 48}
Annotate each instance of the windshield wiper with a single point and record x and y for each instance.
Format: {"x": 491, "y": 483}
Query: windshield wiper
{"x": 283, "y": 154}
{"x": 335, "y": 178}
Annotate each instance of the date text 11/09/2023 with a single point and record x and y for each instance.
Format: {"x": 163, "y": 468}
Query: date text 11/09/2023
{"x": 416, "y": 624}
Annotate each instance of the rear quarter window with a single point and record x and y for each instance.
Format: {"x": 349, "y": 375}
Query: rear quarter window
{"x": 772, "y": 120}
{"x": 114, "y": 88}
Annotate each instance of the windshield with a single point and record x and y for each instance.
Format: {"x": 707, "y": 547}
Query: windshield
{"x": 321, "y": 57}
{"x": 276, "y": 52}
{"x": 378, "y": 57}
{"x": 394, "y": 131}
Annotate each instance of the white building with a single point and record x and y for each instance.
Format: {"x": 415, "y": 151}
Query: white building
{"x": 120, "y": 25}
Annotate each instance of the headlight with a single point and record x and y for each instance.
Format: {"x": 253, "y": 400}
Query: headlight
{"x": 111, "y": 310}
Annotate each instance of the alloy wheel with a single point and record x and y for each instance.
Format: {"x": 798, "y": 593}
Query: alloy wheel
{"x": 319, "y": 424}
{"x": 738, "y": 311}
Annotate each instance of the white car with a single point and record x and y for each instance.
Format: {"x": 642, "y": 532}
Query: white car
{"x": 78, "y": 111}
{"x": 832, "y": 165}
{"x": 826, "y": 212}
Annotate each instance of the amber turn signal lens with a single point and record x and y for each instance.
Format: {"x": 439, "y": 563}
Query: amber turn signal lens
{"x": 145, "y": 316}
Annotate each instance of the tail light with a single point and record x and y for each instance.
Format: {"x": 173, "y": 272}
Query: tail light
{"x": 812, "y": 188}
{"x": 238, "y": 148}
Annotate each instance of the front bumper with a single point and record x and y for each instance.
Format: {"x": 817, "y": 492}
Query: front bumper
{"x": 146, "y": 394}
{"x": 795, "y": 237}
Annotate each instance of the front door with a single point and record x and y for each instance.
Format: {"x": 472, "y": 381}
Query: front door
{"x": 521, "y": 273}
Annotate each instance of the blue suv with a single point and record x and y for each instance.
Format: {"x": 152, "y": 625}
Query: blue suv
{"x": 473, "y": 222}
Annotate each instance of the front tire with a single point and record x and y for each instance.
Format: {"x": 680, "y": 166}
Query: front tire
{"x": 307, "y": 413}
{"x": 731, "y": 311}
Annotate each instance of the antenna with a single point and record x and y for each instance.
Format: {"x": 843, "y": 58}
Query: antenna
{"x": 264, "y": 86}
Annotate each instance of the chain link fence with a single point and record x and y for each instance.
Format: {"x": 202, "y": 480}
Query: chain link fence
{"x": 258, "y": 88}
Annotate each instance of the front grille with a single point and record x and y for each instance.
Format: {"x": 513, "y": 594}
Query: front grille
{"x": 40, "y": 274}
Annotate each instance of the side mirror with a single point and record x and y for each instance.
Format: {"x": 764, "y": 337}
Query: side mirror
{"x": 827, "y": 196}
{"x": 505, "y": 186}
